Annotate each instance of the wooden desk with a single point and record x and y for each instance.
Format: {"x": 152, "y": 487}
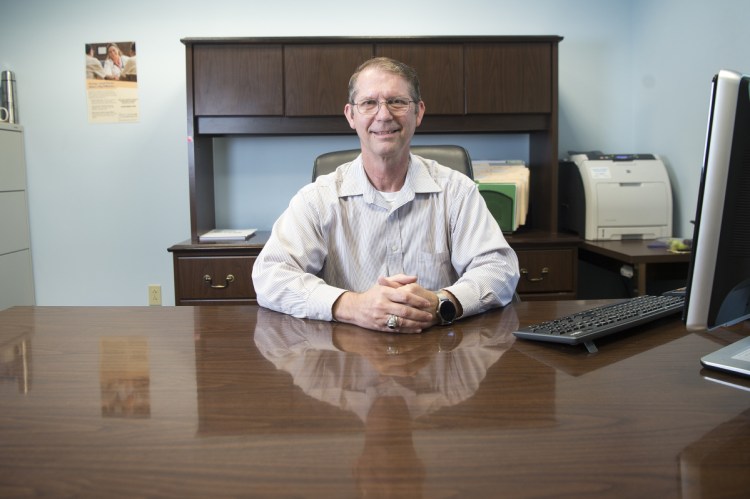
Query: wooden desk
{"x": 639, "y": 255}
{"x": 240, "y": 401}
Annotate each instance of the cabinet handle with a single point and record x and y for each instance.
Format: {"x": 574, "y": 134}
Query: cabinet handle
{"x": 525, "y": 273}
{"x": 229, "y": 278}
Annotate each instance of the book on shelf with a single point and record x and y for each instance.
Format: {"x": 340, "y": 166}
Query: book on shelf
{"x": 227, "y": 235}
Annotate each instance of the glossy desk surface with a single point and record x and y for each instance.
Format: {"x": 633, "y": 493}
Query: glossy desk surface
{"x": 244, "y": 402}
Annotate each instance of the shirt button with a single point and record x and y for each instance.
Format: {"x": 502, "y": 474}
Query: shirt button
{"x": 394, "y": 248}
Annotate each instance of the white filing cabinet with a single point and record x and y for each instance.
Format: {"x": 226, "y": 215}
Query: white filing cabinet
{"x": 16, "y": 275}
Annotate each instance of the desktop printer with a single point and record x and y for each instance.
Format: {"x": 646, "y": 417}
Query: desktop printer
{"x": 615, "y": 196}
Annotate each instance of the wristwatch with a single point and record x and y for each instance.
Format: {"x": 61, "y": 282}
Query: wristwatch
{"x": 446, "y": 310}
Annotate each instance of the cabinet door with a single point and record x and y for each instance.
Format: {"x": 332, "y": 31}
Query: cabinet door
{"x": 238, "y": 80}
{"x": 440, "y": 68}
{"x": 316, "y": 77}
{"x": 508, "y": 78}
{"x": 547, "y": 271}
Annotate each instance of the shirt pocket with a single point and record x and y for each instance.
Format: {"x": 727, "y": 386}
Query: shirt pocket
{"x": 435, "y": 270}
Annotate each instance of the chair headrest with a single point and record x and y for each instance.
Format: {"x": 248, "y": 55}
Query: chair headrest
{"x": 452, "y": 156}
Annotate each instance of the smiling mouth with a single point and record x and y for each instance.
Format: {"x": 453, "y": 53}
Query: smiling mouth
{"x": 384, "y": 132}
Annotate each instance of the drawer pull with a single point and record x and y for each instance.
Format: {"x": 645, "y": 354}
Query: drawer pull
{"x": 229, "y": 278}
{"x": 525, "y": 273}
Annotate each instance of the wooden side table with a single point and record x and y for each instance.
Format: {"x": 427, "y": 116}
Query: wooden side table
{"x": 638, "y": 254}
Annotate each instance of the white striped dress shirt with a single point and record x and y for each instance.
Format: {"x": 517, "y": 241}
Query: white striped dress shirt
{"x": 340, "y": 234}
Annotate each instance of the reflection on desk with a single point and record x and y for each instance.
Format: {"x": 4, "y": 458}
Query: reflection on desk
{"x": 339, "y": 365}
{"x": 125, "y": 377}
{"x": 718, "y": 463}
{"x": 15, "y": 362}
{"x": 333, "y": 372}
{"x": 391, "y": 382}
{"x": 240, "y": 401}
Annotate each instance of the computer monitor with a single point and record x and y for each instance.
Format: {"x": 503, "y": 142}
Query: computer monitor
{"x": 718, "y": 287}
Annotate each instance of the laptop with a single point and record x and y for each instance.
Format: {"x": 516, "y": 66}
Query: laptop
{"x": 734, "y": 358}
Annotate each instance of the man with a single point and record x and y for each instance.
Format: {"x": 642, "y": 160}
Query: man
{"x": 390, "y": 241}
{"x": 130, "y": 71}
{"x": 94, "y": 69}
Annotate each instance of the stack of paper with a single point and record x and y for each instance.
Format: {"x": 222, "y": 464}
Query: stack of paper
{"x": 227, "y": 235}
{"x": 507, "y": 172}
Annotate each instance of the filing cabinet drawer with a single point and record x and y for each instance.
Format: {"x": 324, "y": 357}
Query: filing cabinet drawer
{"x": 17, "y": 279}
{"x": 14, "y": 225}
{"x": 547, "y": 273}
{"x": 215, "y": 278}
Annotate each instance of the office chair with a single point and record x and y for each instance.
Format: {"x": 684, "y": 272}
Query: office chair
{"x": 455, "y": 157}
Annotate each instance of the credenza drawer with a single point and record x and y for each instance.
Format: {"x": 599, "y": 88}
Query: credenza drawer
{"x": 549, "y": 271}
{"x": 215, "y": 278}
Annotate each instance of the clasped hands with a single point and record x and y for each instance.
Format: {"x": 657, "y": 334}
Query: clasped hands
{"x": 413, "y": 306}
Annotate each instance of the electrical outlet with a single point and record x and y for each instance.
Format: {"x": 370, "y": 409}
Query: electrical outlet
{"x": 154, "y": 294}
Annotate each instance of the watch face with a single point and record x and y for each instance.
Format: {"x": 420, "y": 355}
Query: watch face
{"x": 447, "y": 310}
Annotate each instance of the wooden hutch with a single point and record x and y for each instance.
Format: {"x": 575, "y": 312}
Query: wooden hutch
{"x": 291, "y": 87}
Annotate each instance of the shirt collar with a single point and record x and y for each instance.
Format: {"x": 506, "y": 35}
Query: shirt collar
{"x": 418, "y": 180}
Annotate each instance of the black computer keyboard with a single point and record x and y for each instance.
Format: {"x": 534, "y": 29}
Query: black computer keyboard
{"x": 588, "y": 325}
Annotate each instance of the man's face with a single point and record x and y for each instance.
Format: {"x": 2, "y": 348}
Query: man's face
{"x": 383, "y": 134}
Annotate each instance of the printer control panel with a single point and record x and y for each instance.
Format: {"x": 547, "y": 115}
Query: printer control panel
{"x": 600, "y": 156}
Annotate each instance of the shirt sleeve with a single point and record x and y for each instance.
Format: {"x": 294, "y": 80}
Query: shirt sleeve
{"x": 285, "y": 273}
{"x": 485, "y": 262}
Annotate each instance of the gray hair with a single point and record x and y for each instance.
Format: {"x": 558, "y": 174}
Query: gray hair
{"x": 389, "y": 66}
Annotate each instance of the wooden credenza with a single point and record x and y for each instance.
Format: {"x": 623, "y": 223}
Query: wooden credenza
{"x": 297, "y": 86}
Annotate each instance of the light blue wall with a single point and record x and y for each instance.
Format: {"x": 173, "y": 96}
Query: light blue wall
{"x": 107, "y": 200}
{"x": 677, "y": 51}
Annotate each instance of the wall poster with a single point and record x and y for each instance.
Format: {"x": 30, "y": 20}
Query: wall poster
{"x": 112, "y": 82}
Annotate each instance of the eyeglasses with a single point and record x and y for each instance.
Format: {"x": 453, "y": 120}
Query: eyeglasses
{"x": 397, "y": 106}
